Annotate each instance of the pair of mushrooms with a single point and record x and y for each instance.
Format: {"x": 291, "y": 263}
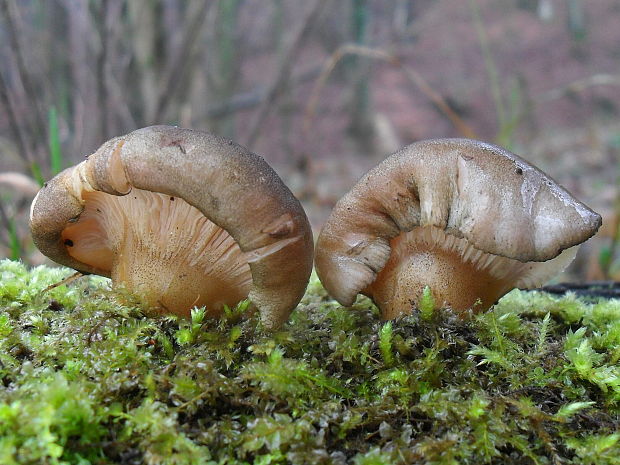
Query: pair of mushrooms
{"x": 183, "y": 218}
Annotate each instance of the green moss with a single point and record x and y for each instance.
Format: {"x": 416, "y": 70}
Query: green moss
{"x": 87, "y": 378}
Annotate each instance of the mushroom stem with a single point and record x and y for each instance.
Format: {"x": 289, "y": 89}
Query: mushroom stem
{"x": 455, "y": 281}
{"x": 460, "y": 276}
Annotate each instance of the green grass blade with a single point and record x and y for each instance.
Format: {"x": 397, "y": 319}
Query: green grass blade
{"x": 35, "y": 169}
{"x": 14, "y": 243}
{"x": 54, "y": 142}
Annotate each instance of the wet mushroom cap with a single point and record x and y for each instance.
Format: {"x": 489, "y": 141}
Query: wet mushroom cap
{"x": 466, "y": 218}
{"x": 181, "y": 218}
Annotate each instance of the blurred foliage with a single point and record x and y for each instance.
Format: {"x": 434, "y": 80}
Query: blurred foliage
{"x": 536, "y": 380}
{"x": 76, "y": 73}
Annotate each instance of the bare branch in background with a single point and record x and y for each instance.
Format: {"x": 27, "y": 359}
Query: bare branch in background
{"x": 361, "y": 118}
{"x": 223, "y": 63}
{"x": 412, "y": 76}
{"x": 24, "y": 146}
{"x": 579, "y": 86}
{"x": 288, "y": 59}
{"x": 489, "y": 64}
{"x": 143, "y": 42}
{"x": 179, "y": 63}
{"x": 102, "y": 68}
{"x": 417, "y": 80}
{"x": 246, "y": 100}
{"x": 113, "y": 21}
{"x": 82, "y": 36}
{"x": 15, "y": 33}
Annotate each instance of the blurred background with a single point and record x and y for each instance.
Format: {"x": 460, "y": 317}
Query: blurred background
{"x": 322, "y": 89}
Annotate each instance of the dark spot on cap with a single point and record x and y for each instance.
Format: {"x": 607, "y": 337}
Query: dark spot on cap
{"x": 519, "y": 171}
{"x": 214, "y": 202}
{"x": 68, "y": 242}
{"x": 172, "y": 199}
{"x": 167, "y": 141}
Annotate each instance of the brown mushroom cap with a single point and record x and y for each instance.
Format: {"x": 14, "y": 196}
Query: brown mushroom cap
{"x": 200, "y": 209}
{"x": 469, "y": 219}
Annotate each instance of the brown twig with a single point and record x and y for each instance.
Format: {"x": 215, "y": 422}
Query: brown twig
{"x": 288, "y": 59}
{"x": 67, "y": 280}
{"x": 412, "y": 76}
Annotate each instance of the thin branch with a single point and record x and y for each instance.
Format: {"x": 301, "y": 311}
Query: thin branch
{"x": 102, "y": 59}
{"x": 83, "y": 34}
{"x": 23, "y": 147}
{"x": 8, "y": 8}
{"x": 115, "y": 103}
{"x": 246, "y": 100}
{"x": 67, "y": 280}
{"x": 179, "y": 64}
{"x": 328, "y": 68}
{"x": 489, "y": 63}
{"x": 416, "y": 78}
{"x": 579, "y": 86}
{"x": 412, "y": 76}
{"x": 288, "y": 59}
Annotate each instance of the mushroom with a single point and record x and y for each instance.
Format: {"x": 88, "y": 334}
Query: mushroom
{"x": 181, "y": 218}
{"x": 468, "y": 219}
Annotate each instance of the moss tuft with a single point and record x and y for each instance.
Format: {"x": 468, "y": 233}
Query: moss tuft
{"x": 87, "y": 378}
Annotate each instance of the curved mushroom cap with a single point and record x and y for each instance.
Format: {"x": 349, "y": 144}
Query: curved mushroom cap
{"x": 182, "y": 218}
{"x": 468, "y": 219}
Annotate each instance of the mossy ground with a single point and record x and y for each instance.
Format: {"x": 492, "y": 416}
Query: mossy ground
{"x": 87, "y": 378}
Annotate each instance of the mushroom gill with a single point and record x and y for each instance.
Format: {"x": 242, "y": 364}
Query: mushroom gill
{"x": 157, "y": 246}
